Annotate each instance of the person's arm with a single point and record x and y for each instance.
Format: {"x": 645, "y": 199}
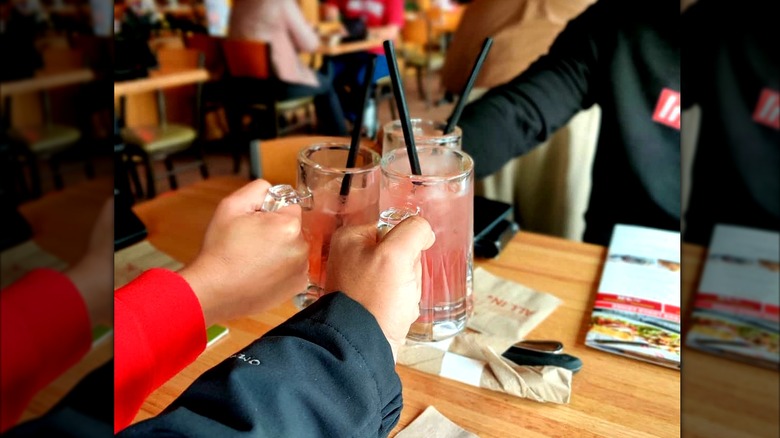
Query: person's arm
{"x": 301, "y": 31}
{"x": 511, "y": 119}
{"x": 330, "y": 369}
{"x": 161, "y": 316}
{"x": 45, "y": 329}
{"x": 695, "y": 53}
{"x": 160, "y": 329}
{"x": 326, "y": 372}
{"x": 46, "y": 320}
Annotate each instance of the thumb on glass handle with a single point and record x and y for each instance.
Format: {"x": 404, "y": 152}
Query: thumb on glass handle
{"x": 391, "y": 217}
{"x": 282, "y": 195}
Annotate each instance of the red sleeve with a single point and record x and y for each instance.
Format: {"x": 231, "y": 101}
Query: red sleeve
{"x": 395, "y": 13}
{"x": 45, "y": 330}
{"x": 159, "y": 330}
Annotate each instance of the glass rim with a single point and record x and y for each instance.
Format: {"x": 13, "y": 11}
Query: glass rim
{"x": 393, "y": 127}
{"x": 464, "y": 157}
{"x": 304, "y": 157}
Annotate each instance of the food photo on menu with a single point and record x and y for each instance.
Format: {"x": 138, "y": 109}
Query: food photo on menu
{"x": 637, "y": 308}
{"x": 735, "y": 310}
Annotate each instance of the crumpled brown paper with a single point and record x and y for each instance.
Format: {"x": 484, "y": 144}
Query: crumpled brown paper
{"x": 432, "y": 424}
{"x": 505, "y": 312}
{"x": 507, "y": 309}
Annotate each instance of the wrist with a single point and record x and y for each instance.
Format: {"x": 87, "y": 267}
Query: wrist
{"x": 96, "y": 295}
{"x": 201, "y": 284}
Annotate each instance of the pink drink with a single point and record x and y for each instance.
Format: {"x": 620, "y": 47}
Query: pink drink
{"x": 426, "y": 133}
{"x": 444, "y": 195}
{"x": 321, "y": 172}
{"x": 329, "y": 213}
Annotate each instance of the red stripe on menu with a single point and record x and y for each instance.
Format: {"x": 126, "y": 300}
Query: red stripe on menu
{"x": 633, "y": 301}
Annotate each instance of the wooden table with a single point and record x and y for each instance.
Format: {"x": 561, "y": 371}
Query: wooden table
{"x": 350, "y": 47}
{"x": 46, "y": 82}
{"x": 611, "y": 396}
{"x": 724, "y": 398}
{"x": 143, "y": 85}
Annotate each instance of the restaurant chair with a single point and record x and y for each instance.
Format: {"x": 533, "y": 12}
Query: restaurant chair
{"x": 211, "y": 47}
{"x": 213, "y": 99}
{"x": 444, "y": 23}
{"x": 249, "y": 67}
{"x": 147, "y": 143}
{"x": 279, "y": 157}
{"x": 42, "y": 142}
{"x": 44, "y": 126}
{"x": 420, "y": 52}
{"x": 166, "y": 41}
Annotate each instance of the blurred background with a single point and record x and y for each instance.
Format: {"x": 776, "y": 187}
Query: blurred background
{"x": 56, "y": 153}
{"x": 731, "y": 198}
{"x": 62, "y": 123}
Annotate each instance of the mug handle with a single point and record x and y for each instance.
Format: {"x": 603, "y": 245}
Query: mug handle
{"x": 391, "y": 217}
{"x": 282, "y": 195}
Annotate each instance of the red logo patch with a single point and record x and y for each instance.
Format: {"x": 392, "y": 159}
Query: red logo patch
{"x": 667, "y": 110}
{"x": 768, "y": 109}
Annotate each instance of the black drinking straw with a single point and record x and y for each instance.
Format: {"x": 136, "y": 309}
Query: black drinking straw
{"x": 356, "y": 130}
{"x": 403, "y": 110}
{"x": 469, "y": 85}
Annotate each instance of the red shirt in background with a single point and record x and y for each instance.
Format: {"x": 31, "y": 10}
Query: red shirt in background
{"x": 375, "y": 12}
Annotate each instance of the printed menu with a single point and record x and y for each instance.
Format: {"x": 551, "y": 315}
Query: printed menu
{"x": 735, "y": 310}
{"x": 637, "y": 308}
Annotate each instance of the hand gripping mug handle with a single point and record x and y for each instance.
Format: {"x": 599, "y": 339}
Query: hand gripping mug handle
{"x": 282, "y": 195}
{"x": 391, "y": 217}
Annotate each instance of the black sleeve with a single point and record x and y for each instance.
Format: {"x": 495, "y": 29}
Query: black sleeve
{"x": 695, "y": 53}
{"x": 86, "y": 411}
{"x": 511, "y": 119}
{"x": 328, "y": 371}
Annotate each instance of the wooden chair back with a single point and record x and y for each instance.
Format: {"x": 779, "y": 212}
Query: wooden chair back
{"x": 61, "y": 59}
{"x": 182, "y": 104}
{"x": 279, "y": 157}
{"x": 416, "y": 32}
{"x": 247, "y": 58}
{"x": 178, "y": 59}
{"x": 211, "y": 47}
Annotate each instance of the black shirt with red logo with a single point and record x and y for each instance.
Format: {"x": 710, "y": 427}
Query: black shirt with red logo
{"x": 731, "y": 71}
{"x": 625, "y": 57}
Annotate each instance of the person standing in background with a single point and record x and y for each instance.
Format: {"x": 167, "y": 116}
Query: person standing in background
{"x": 363, "y": 19}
